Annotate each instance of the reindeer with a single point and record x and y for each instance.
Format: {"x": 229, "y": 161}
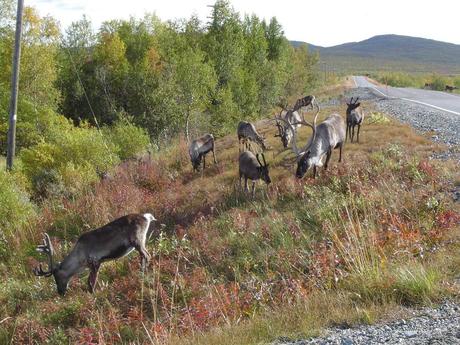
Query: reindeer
{"x": 285, "y": 133}
{"x": 328, "y": 135}
{"x": 109, "y": 242}
{"x": 252, "y": 168}
{"x": 247, "y": 133}
{"x": 355, "y": 117}
{"x": 198, "y": 150}
{"x": 450, "y": 88}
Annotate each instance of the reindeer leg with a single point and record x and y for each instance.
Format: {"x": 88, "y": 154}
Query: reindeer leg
{"x": 145, "y": 256}
{"x": 214, "y": 155}
{"x": 314, "y": 171}
{"x": 246, "y": 189}
{"x": 357, "y": 138}
{"x": 328, "y": 157}
{"x": 94, "y": 268}
{"x": 346, "y": 132}
{"x": 352, "y": 133}
{"x": 253, "y": 189}
{"x": 340, "y": 152}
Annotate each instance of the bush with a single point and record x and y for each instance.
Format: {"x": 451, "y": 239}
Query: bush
{"x": 15, "y": 206}
{"x": 128, "y": 139}
{"x": 70, "y": 160}
{"x": 439, "y": 82}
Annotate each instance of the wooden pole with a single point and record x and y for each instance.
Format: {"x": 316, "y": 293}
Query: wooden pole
{"x": 14, "y": 89}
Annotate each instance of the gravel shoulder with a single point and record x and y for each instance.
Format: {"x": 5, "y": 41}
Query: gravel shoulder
{"x": 440, "y": 326}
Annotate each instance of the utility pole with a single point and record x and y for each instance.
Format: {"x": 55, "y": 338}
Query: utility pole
{"x": 14, "y": 89}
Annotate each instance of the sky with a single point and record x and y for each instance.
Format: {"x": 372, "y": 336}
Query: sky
{"x": 320, "y": 22}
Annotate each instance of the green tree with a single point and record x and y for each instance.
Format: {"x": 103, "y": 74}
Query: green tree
{"x": 195, "y": 82}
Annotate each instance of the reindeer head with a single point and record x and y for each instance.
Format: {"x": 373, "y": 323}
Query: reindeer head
{"x": 286, "y": 133}
{"x": 306, "y": 161}
{"x": 304, "y": 157}
{"x": 352, "y": 105}
{"x": 263, "y": 143}
{"x": 54, "y": 269}
{"x": 263, "y": 169}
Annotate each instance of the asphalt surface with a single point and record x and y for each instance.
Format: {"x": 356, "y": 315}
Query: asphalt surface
{"x": 435, "y": 99}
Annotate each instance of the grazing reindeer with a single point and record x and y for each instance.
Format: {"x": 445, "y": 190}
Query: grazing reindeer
{"x": 285, "y": 133}
{"x": 252, "y": 168}
{"x": 328, "y": 135}
{"x": 355, "y": 117}
{"x": 111, "y": 241}
{"x": 247, "y": 133}
{"x": 450, "y": 88}
{"x": 198, "y": 150}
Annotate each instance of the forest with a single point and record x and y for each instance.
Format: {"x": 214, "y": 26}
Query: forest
{"x": 137, "y": 82}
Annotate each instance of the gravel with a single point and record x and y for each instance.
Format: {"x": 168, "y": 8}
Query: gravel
{"x": 438, "y": 326}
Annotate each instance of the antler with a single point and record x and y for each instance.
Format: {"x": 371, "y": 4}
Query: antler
{"x": 263, "y": 158}
{"x": 306, "y": 123}
{"x": 258, "y": 160}
{"x": 351, "y": 101}
{"x": 277, "y": 118}
{"x": 303, "y": 102}
{"x": 46, "y": 248}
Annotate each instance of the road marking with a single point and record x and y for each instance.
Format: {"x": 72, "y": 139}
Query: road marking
{"x": 379, "y": 91}
{"x": 432, "y": 106}
{"x": 354, "y": 80}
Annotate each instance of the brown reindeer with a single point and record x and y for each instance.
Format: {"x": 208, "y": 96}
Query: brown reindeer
{"x": 109, "y": 242}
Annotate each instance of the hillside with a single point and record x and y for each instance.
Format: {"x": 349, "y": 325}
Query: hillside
{"x": 229, "y": 269}
{"x": 393, "y": 52}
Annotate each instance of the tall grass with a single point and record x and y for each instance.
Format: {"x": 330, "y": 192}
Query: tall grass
{"x": 403, "y": 79}
{"x": 227, "y": 268}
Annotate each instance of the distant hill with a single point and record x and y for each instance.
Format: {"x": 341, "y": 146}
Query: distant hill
{"x": 392, "y": 52}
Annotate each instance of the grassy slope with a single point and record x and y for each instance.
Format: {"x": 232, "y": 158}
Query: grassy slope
{"x": 348, "y": 247}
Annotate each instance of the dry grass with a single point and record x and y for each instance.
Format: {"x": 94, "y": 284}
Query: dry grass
{"x": 369, "y": 235}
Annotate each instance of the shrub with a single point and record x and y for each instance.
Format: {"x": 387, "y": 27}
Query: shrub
{"x": 69, "y": 161}
{"x": 15, "y": 206}
{"x": 457, "y": 82}
{"x": 439, "y": 82}
{"x": 128, "y": 139}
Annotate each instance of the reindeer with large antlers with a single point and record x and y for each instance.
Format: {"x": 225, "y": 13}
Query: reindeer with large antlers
{"x": 286, "y": 132}
{"x": 355, "y": 117}
{"x": 109, "y": 242}
{"x": 327, "y": 136}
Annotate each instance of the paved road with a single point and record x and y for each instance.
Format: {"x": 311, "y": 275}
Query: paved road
{"x": 435, "y": 99}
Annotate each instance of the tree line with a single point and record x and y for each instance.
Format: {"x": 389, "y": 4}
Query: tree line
{"x": 157, "y": 74}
